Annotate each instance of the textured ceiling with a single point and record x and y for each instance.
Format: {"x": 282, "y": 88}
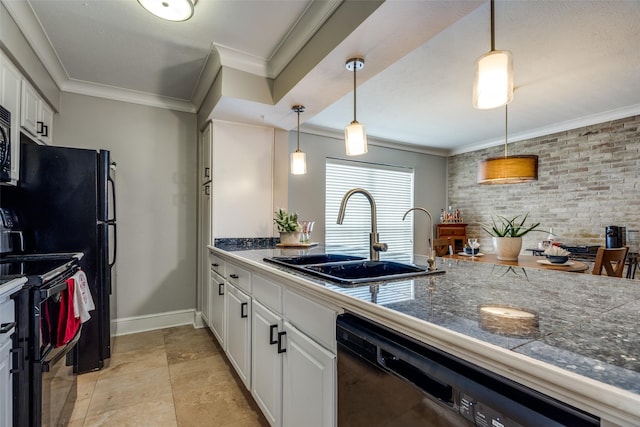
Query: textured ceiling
{"x": 575, "y": 62}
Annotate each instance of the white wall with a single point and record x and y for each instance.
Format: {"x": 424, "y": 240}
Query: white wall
{"x": 307, "y": 192}
{"x": 155, "y": 150}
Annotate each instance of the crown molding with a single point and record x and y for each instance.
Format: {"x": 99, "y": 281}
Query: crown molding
{"x": 372, "y": 140}
{"x": 594, "y": 119}
{"x": 126, "y": 95}
{"x": 233, "y": 58}
{"x": 309, "y": 23}
{"x": 31, "y": 28}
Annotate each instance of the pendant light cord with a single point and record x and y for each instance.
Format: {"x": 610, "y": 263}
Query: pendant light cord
{"x": 298, "y": 149}
{"x": 354, "y": 91}
{"x": 493, "y": 30}
{"x": 506, "y": 137}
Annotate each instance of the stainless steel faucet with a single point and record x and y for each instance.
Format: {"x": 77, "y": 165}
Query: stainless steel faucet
{"x": 431, "y": 259}
{"x": 374, "y": 245}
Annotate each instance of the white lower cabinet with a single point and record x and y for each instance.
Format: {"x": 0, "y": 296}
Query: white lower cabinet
{"x": 216, "y": 306}
{"x": 6, "y": 388}
{"x": 280, "y": 341}
{"x": 7, "y": 328}
{"x": 293, "y": 376}
{"x": 206, "y": 300}
{"x": 266, "y": 362}
{"x": 309, "y": 382}
{"x": 238, "y": 317}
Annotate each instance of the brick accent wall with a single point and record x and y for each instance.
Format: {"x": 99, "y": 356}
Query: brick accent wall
{"x": 588, "y": 178}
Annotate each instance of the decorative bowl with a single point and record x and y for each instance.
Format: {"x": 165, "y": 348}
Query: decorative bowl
{"x": 557, "y": 259}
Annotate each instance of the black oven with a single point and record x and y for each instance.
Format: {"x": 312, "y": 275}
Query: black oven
{"x": 5, "y": 145}
{"x": 44, "y": 378}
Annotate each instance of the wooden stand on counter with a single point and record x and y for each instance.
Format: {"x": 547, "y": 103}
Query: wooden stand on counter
{"x": 454, "y": 231}
{"x": 527, "y": 261}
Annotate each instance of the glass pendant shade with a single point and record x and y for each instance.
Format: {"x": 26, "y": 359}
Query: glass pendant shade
{"x": 493, "y": 80}
{"x": 298, "y": 163}
{"x": 355, "y": 139}
{"x": 171, "y": 10}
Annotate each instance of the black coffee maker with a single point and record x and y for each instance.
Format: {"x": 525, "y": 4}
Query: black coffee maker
{"x": 616, "y": 236}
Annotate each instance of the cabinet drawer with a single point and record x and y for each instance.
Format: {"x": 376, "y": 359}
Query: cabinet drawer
{"x": 217, "y": 264}
{"x": 314, "y": 319}
{"x": 239, "y": 277}
{"x": 267, "y": 292}
{"x": 447, "y": 231}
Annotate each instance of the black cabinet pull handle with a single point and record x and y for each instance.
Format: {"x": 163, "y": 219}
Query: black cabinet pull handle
{"x": 233, "y": 276}
{"x": 40, "y": 128}
{"x": 18, "y": 360}
{"x": 214, "y": 265}
{"x": 206, "y": 172}
{"x": 272, "y": 340}
{"x": 281, "y": 349}
{"x": 207, "y": 191}
{"x": 45, "y": 130}
{"x": 6, "y": 327}
{"x": 243, "y": 310}
{"x": 220, "y": 288}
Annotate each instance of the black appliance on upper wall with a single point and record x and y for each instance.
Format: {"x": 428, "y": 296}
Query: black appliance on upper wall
{"x": 66, "y": 203}
{"x": 5, "y": 145}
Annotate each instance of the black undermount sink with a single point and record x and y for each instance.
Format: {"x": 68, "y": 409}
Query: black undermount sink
{"x": 347, "y": 269}
{"x": 312, "y": 259}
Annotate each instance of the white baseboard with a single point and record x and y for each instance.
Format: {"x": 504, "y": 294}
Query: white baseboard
{"x": 151, "y": 322}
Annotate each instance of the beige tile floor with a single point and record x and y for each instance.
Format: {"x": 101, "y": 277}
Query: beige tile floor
{"x": 171, "y": 377}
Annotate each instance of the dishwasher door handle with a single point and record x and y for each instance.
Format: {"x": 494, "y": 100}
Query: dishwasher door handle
{"x": 405, "y": 369}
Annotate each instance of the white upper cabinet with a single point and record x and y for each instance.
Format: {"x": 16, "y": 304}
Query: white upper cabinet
{"x": 36, "y": 118}
{"x": 10, "y": 80}
{"x": 242, "y": 184}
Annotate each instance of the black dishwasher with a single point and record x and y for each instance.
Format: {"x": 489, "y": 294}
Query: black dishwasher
{"x": 388, "y": 379}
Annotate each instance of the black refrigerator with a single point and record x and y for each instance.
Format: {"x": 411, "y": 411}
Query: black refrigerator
{"x": 66, "y": 199}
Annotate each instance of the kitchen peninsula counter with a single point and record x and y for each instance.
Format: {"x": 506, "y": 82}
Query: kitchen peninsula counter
{"x": 585, "y": 350}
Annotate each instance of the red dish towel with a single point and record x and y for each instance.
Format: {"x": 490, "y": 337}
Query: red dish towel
{"x": 68, "y": 323}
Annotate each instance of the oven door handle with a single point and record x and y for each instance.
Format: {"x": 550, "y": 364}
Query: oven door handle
{"x": 6, "y": 327}
{"x": 18, "y": 360}
{"x": 46, "y": 364}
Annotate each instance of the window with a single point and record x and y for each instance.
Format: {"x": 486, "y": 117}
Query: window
{"x": 392, "y": 189}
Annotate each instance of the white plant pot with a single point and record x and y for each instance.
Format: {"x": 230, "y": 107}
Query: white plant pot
{"x": 507, "y": 248}
{"x": 290, "y": 238}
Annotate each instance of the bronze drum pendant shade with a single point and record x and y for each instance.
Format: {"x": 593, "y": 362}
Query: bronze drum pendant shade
{"x": 508, "y": 169}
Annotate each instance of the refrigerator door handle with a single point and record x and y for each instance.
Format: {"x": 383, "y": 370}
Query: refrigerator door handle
{"x": 111, "y": 182}
{"x": 112, "y": 221}
{"x": 115, "y": 242}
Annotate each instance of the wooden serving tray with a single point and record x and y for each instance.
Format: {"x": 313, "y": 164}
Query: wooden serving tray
{"x": 296, "y": 245}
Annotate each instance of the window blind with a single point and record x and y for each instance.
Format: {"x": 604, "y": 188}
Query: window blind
{"x": 392, "y": 189}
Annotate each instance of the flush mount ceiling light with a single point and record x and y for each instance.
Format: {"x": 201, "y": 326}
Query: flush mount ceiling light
{"x": 355, "y": 137}
{"x": 171, "y": 10}
{"x": 493, "y": 80}
{"x": 508, "y": 169}
{"x": 298, "y": 158}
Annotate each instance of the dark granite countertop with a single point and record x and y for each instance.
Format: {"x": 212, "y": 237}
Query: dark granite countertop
{"x": 586, "y": 324}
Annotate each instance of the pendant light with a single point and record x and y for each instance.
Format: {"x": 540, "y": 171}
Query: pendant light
{"x": 493, "y": 80}
{"x": 298, "y": 158}
{"x": 508, "y": 169}
{"x": 355, "y": 137}
{"x": 171, "y": 10}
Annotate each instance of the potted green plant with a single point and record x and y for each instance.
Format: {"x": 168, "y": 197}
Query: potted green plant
{"x": 288, "y": 226}
{"x": 507, "y": 235}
